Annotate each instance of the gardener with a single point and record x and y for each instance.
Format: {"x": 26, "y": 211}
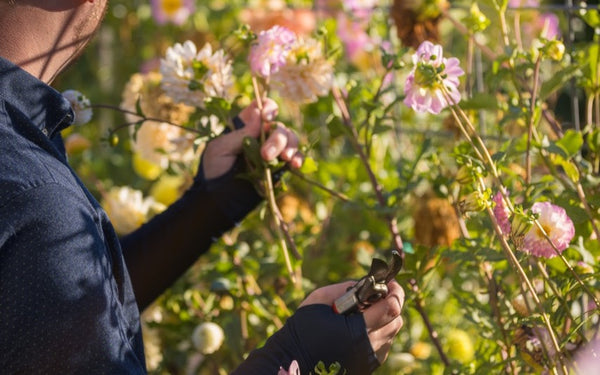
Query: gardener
{"x": 67, "y": 282}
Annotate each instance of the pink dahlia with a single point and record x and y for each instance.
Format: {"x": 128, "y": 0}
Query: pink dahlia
{"x": 271, "y": 49}
{"x": 432, "y": 85}
{"x": 293, "y": 370}
{"x": 174, "y": 11}
{"x": 502, "y": 213}
{"x": 557, "y": 225}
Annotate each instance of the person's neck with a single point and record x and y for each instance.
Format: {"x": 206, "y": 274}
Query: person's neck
{"x": 41, "y": 42}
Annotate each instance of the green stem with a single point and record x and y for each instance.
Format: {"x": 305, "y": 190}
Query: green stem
{"x": 530, "y": 124}
{"x": 270, "y": 191}
{"x": 347, "y": 121}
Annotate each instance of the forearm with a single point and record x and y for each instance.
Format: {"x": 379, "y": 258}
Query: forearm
{"x": 159, "y": 252}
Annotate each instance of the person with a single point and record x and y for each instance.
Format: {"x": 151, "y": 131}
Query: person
{"x": 70, "y": 289}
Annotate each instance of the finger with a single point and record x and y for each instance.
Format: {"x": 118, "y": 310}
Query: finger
{"x": 291, "y": 149}
{"x": 251, "y": 116}
{"x": 386, "y": 310}
{"x": 327, "y": 294}
{"x": 382, "y": 343}
{"x": 277, "y": 141}
{"x": 270, "y": 110}
{"x": 297, "y": 160}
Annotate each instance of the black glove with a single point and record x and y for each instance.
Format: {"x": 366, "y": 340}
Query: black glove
{"x": 315, "y": 333}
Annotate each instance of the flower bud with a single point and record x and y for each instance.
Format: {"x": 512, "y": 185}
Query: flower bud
{"x": 464, "y": 175}
{"x": 555, "y": 49}
{"x": 473, "y": 202}
{"x": 521, "y": 224}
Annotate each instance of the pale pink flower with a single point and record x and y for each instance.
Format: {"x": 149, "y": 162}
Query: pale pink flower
{"x": 548, "y": 22}
{"x": 354, "y": 36}
{"x": 523, "y": 3}
{"x": 557, "y": 225}
{"x": 293, "y": 370}
{"x": 361, "y": 9}
{"x": 271, "y": 49}
{"x": 502, "y": 213}
{"x": 432, "y": 85}
{"x": 174, "y": 11}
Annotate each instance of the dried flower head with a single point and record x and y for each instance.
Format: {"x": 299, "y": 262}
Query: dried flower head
{"x": 417, "y": 21}
{"x": 436, "y": 222}
{"x": 191, "y": 76}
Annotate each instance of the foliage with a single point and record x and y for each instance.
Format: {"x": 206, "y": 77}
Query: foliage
{"x": 494, "y": 307}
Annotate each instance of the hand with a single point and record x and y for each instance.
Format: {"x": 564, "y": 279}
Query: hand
{"x": 382, "y": 319}
{"x": 221, "y": 153}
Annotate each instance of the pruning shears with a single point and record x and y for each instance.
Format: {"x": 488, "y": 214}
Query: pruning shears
{"x": 371, "y": 288}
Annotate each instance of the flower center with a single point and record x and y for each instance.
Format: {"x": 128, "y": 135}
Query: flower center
{"x": 170, "y": 7}
{"x": 547, "y": 229}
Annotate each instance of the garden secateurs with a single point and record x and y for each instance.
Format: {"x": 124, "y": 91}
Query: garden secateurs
{"x": 371, "y": 288}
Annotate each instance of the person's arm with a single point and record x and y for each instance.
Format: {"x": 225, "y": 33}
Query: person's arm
{"x": 358, "y": 342}
{"x": 161, "y": 250}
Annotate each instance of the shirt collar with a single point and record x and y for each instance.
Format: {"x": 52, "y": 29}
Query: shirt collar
{"x": 44, "y": 106}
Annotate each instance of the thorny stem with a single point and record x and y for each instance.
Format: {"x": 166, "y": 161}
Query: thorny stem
{"x": 282, "y": 229}
{"x": 332, "y": 192}
{"x": 347, "y": 121}
{"x": 562, "y": 300}
{"x": 493, "y": 293}
{"x": 433, "y": 335}
{"x": 142, "y": 119}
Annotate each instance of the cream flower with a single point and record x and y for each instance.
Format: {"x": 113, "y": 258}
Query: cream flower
{"x": 191, "y": 76}
{"x": 160, "y": 143}
{"x": 128, "y": 209}
{"x": 208, "y": 337}
{"x": 81, "y": 106}
{"x": 154, "y": 103}
{"x": 306, "y": 75}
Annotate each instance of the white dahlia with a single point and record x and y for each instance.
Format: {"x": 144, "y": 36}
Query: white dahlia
{"x": 191, "y": 76}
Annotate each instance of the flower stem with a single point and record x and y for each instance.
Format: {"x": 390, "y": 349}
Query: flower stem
{"x": 282, "y": 229}
{"x": 530, "y": 124}
{"x": 433, "y": 335}
{"x": 347, "y": 121}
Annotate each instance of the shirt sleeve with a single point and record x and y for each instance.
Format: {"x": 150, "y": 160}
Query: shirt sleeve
{"x": 313, "y": 334}
{"x": 160, "y": 251}
{"x": 61, "y": 309}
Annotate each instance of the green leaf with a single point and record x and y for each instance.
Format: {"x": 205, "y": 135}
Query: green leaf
{"x": 309, "y": 166}
{"x": 558, "y": 80}
{"x": 571, "y": 142}
{"x": 591, "y": 17}
{"x": 480, "y": 101}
